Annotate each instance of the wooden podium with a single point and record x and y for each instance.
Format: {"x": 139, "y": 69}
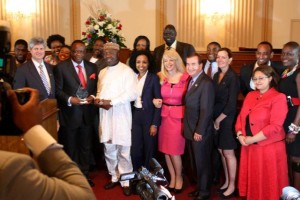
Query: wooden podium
{"x": 49, "y": 114}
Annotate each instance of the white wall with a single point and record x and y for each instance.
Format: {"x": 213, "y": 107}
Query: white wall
{"x": 283, "y": 13}
{"x": 138, "y": 17}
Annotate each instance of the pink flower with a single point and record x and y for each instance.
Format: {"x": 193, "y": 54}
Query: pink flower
{"x": 93, "y": 76}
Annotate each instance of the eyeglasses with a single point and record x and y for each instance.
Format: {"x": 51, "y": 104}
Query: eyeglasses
{"x": 259, "y": 79}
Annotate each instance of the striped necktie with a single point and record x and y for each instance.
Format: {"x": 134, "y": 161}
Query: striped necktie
{"x": 44, "y": 79}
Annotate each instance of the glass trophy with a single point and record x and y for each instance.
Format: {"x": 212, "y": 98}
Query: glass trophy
{"x": 82, "y": 93}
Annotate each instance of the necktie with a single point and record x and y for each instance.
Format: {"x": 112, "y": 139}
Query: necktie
{"x": 209, "y": 70}
{"x": 191, "y": 84}
{"x": 44, "y": 79}
{"x": 81, "y": 76}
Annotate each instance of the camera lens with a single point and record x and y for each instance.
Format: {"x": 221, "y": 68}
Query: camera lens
{"x": 22, "y": 95}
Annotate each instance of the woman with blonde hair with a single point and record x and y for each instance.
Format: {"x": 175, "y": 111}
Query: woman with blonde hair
{"x": 171, "y": 142}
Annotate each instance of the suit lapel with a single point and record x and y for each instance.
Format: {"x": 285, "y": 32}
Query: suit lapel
{"x": 147, "y": 81}
{"x": 73, "y": 71}
{"x": 195, "y": 85}
{"x": 34, "y": 72}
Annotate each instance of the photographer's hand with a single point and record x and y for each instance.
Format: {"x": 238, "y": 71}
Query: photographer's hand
{"x": 27, "y": 115}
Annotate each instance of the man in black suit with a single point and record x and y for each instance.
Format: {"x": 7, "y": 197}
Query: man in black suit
{"x": 198, "y": 124}
{"x": 35, "y": 73}
{"x": 76, "y": 83}
{"x": 183, "y": 49}
{"x": 264, "y": 55}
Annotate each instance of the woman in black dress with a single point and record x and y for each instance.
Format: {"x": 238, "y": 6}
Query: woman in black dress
{"x": 227, "y": 90}
{"x": 290, "y": 86}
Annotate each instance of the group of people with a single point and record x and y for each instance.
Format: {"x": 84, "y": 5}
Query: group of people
{"x": 174, "y": 102}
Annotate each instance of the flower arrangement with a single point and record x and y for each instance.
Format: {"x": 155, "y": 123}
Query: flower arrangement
{"x": 102, "y": 25}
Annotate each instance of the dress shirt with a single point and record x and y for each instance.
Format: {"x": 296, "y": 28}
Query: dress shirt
{"x": 214, "y": 68}
{"x": 173, "y": 46}
{"x": 37, "y": 139}
{"x": 37, "y": 66}
{"x": 93, "y": 59}
{"x": 140, "y": 87}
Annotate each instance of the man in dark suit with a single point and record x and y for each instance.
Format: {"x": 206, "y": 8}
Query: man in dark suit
{"x": 183, "y": 49}
{"x": 264, "y": 55}
{"x": 76, "y": 83}
{"x": 35, "y": 73}
{"x": 54, "y": 176}
{"x": 198, "y": 124}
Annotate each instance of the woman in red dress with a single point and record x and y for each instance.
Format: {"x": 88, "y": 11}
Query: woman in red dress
{"x": 263, "y": 163}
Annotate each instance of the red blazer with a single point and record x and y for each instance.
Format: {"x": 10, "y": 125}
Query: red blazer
{"x": 266, "y": 113}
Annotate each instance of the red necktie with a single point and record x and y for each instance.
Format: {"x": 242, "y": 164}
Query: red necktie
{"x": 81, "y": 76}
{"x": 209, "y": 70}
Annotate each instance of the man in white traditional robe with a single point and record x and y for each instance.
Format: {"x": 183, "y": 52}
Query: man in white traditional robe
{"x": 116, "y": 88}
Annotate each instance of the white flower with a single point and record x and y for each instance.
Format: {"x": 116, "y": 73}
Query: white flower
{"x": 109, "y": 26}
{"x": 96, "y": 27}
{"x": 100, "y": 33}
{"x": 114, "y": 30}
{"x": 101, "y": 23}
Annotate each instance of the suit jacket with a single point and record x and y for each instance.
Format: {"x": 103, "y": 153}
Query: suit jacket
{"x": 266, "y": 113}
{"x": 59, "y": 177}
{"x": 227, "y": 92}
{"x": 151, "y": 90}
{"x": 67, "y": 83}
{"x": 199, "y": 105}
{"x": 183, "y": 49}
{"x": 27, "y": 76}
{"x": 246, "y": 75}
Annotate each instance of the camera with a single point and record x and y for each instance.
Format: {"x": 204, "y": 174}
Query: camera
{"x": 146, "y": 184}
{"x": 7, "y": 126}
{"x": 290, "y": 193}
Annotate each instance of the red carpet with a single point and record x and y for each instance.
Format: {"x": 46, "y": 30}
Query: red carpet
{"x": 101, "y": 177}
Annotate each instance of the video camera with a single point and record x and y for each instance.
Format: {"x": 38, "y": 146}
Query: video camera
{"x": 146, "y": 184}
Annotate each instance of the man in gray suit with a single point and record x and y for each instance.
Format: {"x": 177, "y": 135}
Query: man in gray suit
{"x": 198, "y": 124}
{"x": 183, "y": 49}
{"x": 55, "y": 177}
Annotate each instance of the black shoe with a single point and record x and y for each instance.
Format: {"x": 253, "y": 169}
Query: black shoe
{"x": 193, "y": 194}
{"x": 220, "y": 191}
{"x": 126, "y": 191}
{"x": 233, "y": 194}
{"x": 201, "y": 197}
{"x": 177, "y": 191}
{"x": 110, "y": 185}
{"x": 171, "y": 189}
{"x": 92, "y": 184}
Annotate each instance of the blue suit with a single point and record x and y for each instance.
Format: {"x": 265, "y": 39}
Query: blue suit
{"x": 143, "y": 145}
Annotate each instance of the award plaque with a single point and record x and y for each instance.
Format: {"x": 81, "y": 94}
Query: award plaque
{"x": 82, "y": 93}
